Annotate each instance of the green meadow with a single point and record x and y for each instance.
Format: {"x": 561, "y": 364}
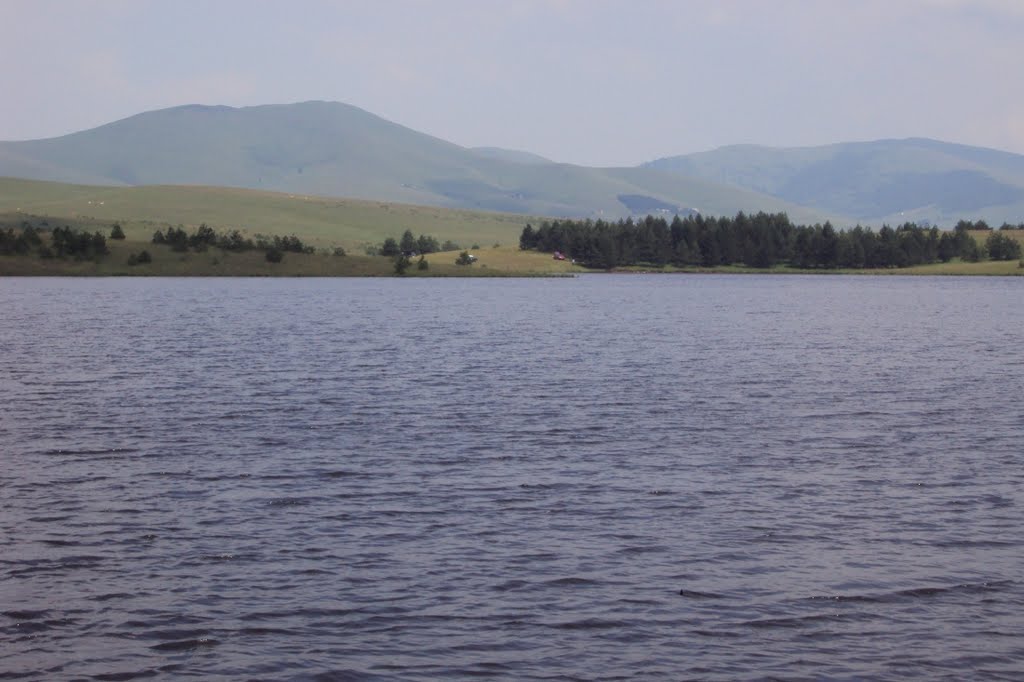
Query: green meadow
{"x": 323, "y": 223}
{"x": 491, "y": 261}
{"x": 320, "y": 221}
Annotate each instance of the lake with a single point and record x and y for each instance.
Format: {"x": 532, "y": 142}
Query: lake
{"x": 608, "y": 477}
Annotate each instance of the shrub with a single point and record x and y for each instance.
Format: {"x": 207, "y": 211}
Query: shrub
{"x": 116, "y": 232}
{"x": 402, "y": 264}
{"x": 389, "y": 247}
{"x": 339, "y": 251}
{"x": 422, "y": 264}
{"x": 274, "y": 255}
{"x": 140, "y": 258}
{"x": 1002, "y": 247}
{"x": 464, "y": 259}
{"x": 972, "y": 252}
{"x": 427, "y": 244}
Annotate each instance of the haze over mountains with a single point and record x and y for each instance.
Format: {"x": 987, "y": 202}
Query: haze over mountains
{"x": 334, "y": 149}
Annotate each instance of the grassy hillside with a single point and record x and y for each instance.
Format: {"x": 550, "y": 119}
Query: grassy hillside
{"x": 885, "y": 181}
{"x": 318, "y": 220}
{"x": 335, "y": 150}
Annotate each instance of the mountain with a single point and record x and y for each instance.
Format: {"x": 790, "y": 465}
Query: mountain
{"x": 336, "y": 150}
{"x": 513, "y": 155}
{"x": 883, "y": 181}
{"x": 331, "y": 149}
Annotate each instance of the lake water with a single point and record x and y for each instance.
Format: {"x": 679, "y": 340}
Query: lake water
{"x": 606, "y": 477}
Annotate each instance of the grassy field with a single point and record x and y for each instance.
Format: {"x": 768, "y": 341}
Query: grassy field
{"x": 492, "y": 261}
{"x": 497, "y": 262}
{"x": 317, "y": 220}
{"x": 323, "y": 223}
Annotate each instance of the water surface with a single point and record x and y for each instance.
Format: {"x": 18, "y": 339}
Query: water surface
{"x": 636, "y": 477}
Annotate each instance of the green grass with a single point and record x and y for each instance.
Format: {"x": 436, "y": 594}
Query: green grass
{"x": 497, "y": 262}
{"x": 983, "y": 268}
{"x": 317, "y": 220}
{"x": 492, "y": 262}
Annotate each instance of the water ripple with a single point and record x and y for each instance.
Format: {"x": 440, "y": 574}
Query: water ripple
{"x": 619, "y": 478}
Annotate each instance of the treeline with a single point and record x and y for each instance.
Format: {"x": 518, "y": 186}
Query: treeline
{"x": 410, "y": 245}
{"x": 64, "y": 242}
{"x": 761, "y": 240}
{"x": 982, "y": 225}
{"x": 205, "y": 237}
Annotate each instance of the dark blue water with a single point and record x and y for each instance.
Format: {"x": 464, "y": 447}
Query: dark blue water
{"x": 607, "y": 477}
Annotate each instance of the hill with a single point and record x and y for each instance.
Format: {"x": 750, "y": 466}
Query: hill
{"x": 319, "y": 220}
{"x": 335, "y": 150}
{"x": 883, "y": 181}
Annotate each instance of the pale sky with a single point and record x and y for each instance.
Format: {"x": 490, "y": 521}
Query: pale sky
{"x": 595, "y": 82}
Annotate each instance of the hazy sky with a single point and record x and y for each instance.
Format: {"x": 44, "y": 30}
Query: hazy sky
{"x": 600, "y": 82}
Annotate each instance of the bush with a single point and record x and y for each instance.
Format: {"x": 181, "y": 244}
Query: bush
{"x": 427, "y": 244}
{"x": 139, "y": 259}
{"x": 972, "y": 252}
{"x": 339, "y": 251}
{"x": 464, "y": 259}
{"x": 389, "y": 247}
{"x": 402, "y": 264}
{"x": 116, "y": 232}
{"x": 1002, "y": 247}
{"x": 274, "y": 255}
{"x": 422, "y": 264}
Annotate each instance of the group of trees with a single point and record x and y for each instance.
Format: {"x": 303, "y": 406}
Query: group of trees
{"x": 81, "y": 245}
{"x": 410, "y": 245}
{"x": 18, "y": 242}
{"x": 205, "y": 237}
{"x": 64, "y": 242}
{"x": 1002, "y": 247}
{"x": 761, "y": 240}
{"x": 982, "y": 225}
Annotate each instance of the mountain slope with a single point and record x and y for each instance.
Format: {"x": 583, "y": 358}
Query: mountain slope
{"x": 333, "y": 149}
{"x": 317, "y": 220}
{"x": 893, "y": 180}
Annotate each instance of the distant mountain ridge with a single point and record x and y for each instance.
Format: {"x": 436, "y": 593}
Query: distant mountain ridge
{"x": 913, "y": 179}
{"x": 337, "y": 150}
{"x": 333, "y": 149}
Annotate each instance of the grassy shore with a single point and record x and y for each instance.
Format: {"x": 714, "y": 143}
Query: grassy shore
{"x": 502, "y": 261}
{"x": 492, "y": 262}
{"x": 321, "y": 222}
{"x": 952, "y": 268}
